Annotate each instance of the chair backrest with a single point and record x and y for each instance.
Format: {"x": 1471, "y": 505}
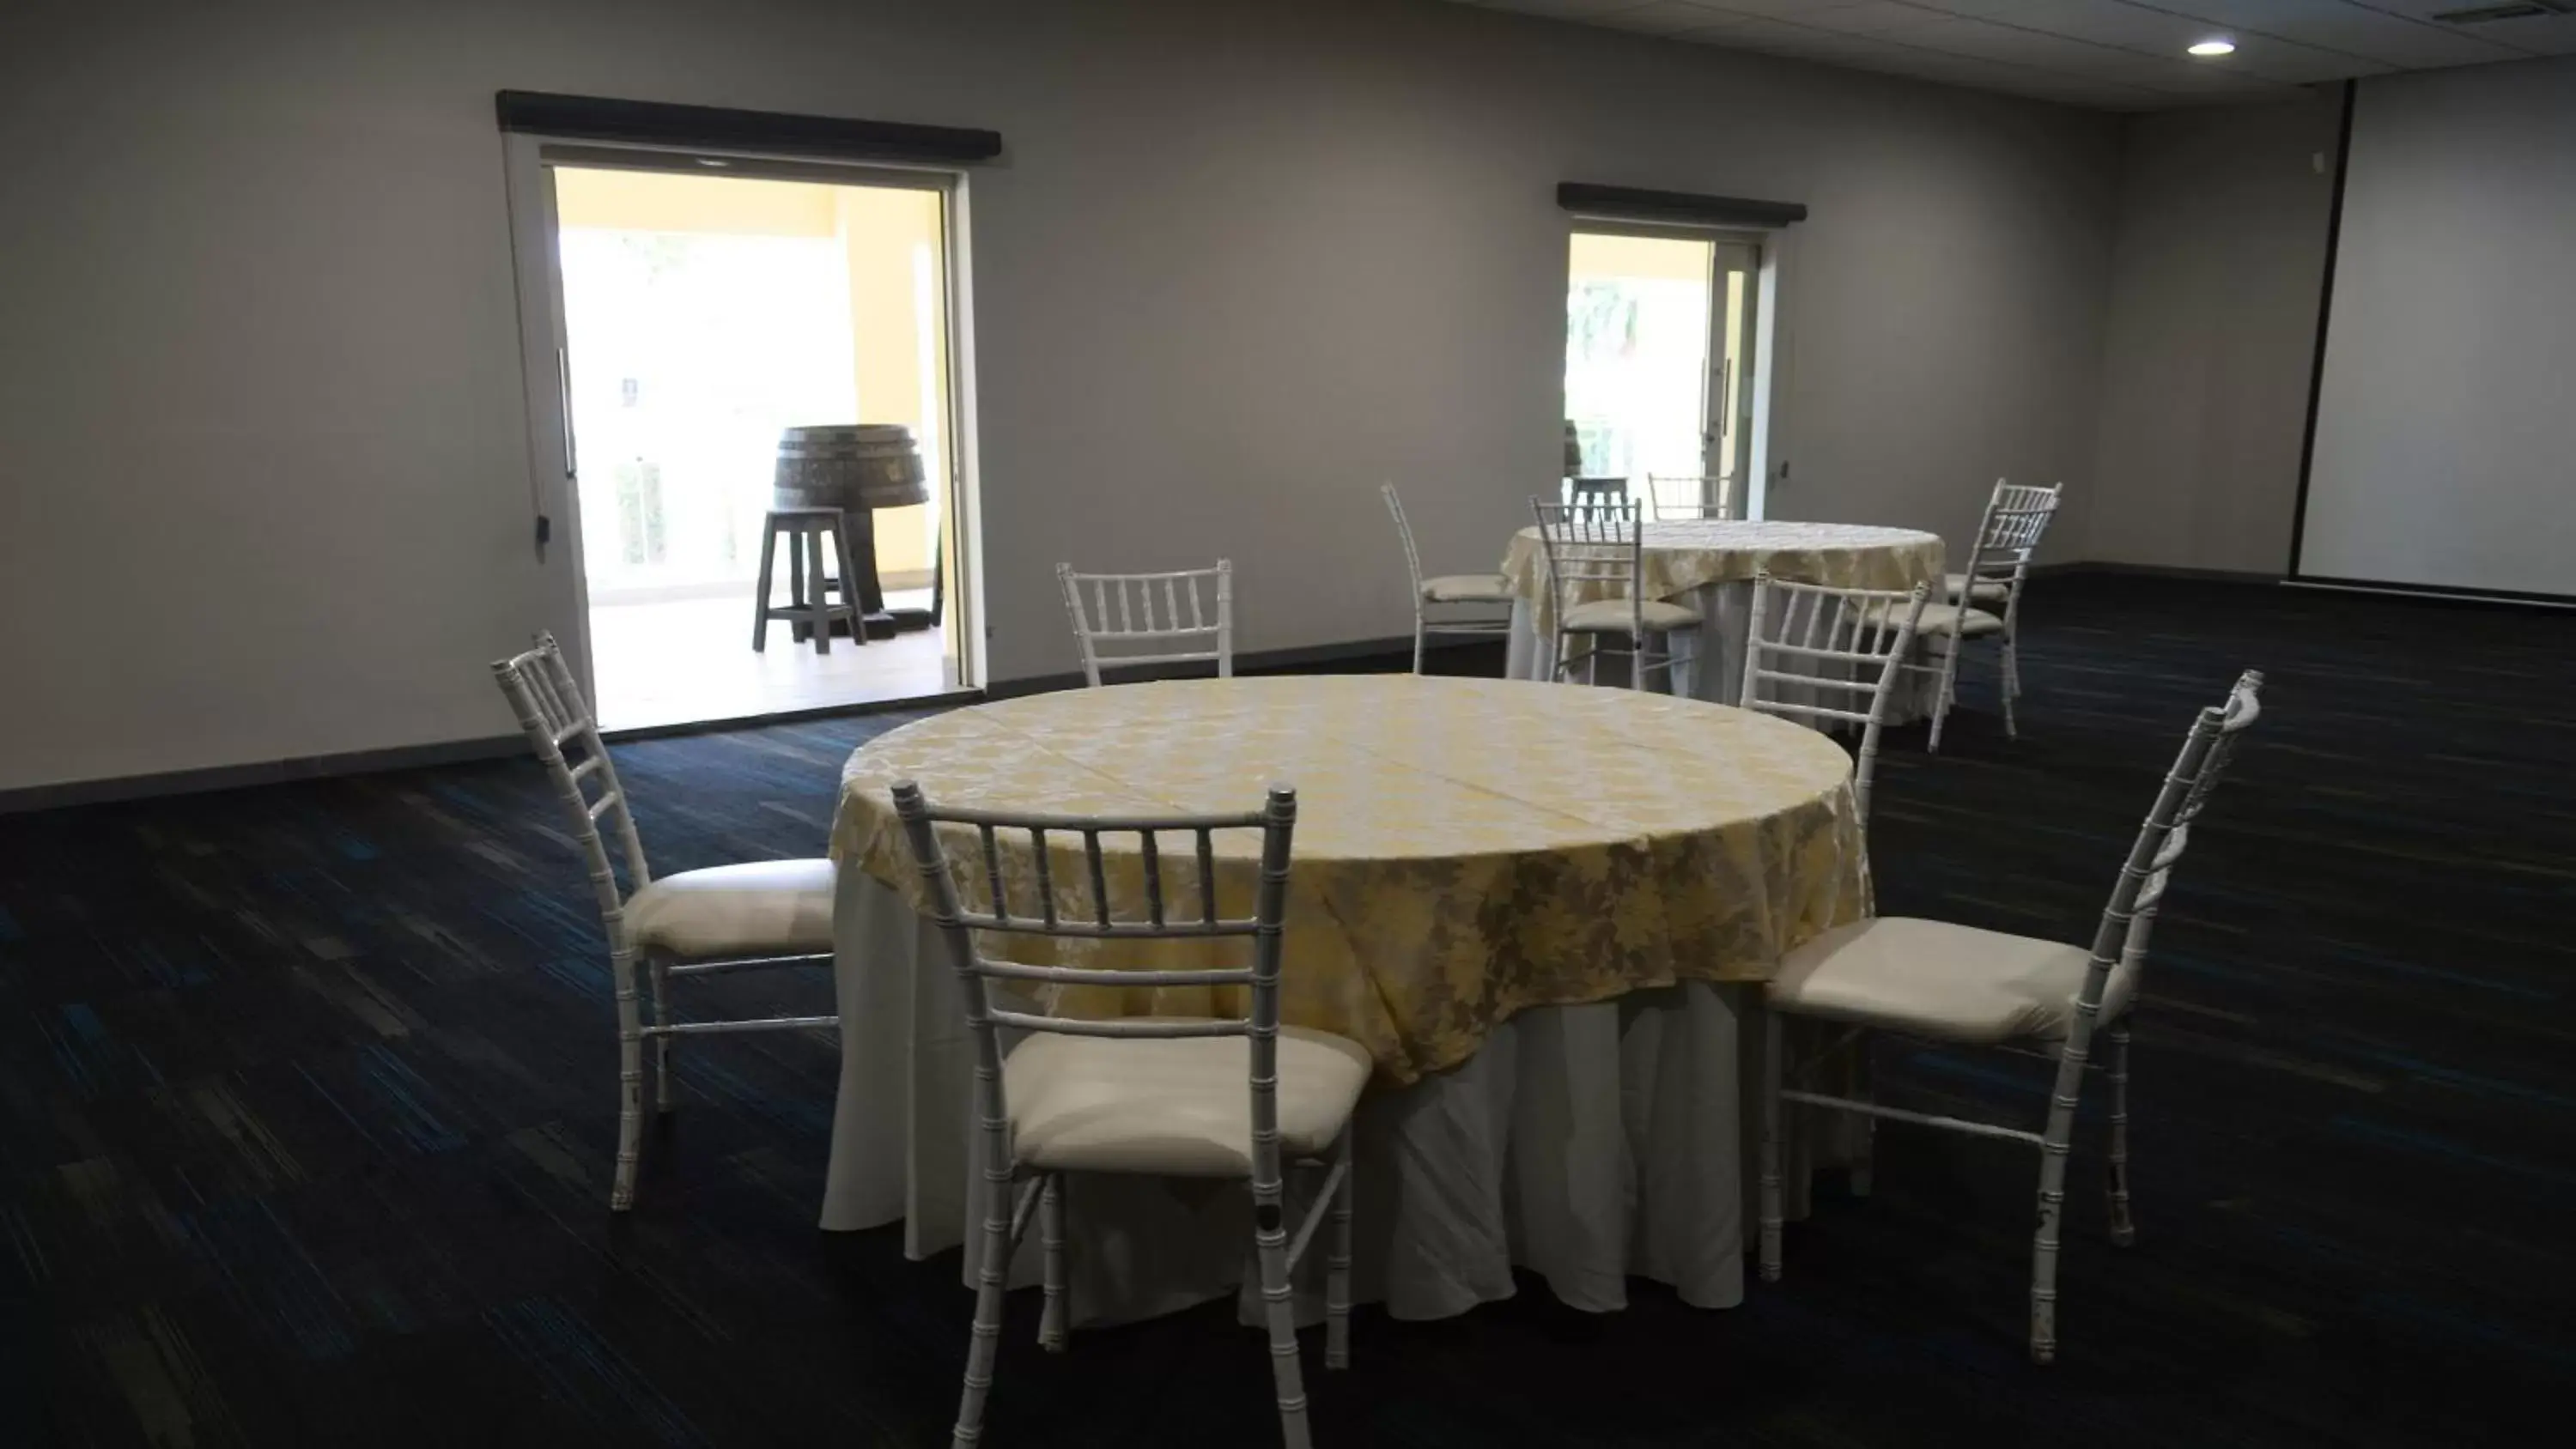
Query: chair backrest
{"x": 1715, "y": 493}
{"x": 1404, "y": 531}
{"x": 1026, "y": 847}
{"x": 540, "y": 688}
{"x": 2120, "y": 943}
{"x": 1829, "y": 658}
{"x": 2016, "y": 518}
{"x": 1142, "y": 618}
{"x": 1596, "y": 490}
{"x": 1593, "y": 551}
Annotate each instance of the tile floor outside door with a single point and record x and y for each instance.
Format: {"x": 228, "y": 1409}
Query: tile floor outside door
{"x": 683, "y": 661}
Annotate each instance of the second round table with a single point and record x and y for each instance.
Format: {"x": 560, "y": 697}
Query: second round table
{"x": 1710, "y": 565}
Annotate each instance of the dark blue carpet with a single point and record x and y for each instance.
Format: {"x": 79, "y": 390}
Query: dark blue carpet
{"x": 306, "y": 1108}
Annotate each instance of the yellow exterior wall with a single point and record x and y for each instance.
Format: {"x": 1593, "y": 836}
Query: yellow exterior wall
{"x": 881, "y": 229}
{"x": 1678, "y": 259}
{"x": 665, "y": 201}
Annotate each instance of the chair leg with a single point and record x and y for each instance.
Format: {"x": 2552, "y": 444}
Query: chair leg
{"x": 1051, "y": 1239}
{"x": 661, "y": 1044}
{"x": 1948, "y": 690}
{"x": 2012, "y": 685}
{"x": 2054, "y": 1146}
{"x": 1417, "y": 634}
{"x": 1772, "y": 1047}
{"x": 760, "y": 590}
{"x": 1270, "y": 1242}
{"x": 820, "y": 603}
{"x": 1866, "y": 1149}
{"x": 1337, "y": 1269}
{"x": 630, "y": 1077}
{"x": 2124, "y": 1230}
{"x": 796, "y": 597}
{"x": 984, "y": 1348}
{"x": 850, "y": 584}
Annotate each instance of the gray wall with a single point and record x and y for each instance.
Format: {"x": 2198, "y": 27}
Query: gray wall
{"x": 2446, "y": 420}
{"x": 262, "y": 433}
{"x": 2212, "y": 335}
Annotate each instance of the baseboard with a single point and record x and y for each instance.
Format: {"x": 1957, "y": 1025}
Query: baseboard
{"x": 2154, "y": 571}
{"x": 1258, "y": 661}
{"x": 2437, "y": 594}
{"x": 270, "y": 772}
{"x": 945, "y": 699}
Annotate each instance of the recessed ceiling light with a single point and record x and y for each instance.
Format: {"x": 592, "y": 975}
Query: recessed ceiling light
{"x": 2214, "y": 47}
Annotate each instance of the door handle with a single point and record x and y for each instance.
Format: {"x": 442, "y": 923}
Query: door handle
{"x": 563, "y": 386}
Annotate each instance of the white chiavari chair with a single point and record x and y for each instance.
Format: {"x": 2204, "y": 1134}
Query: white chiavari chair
{"x": 1596, "y": 574}
{"x": 1240, "y": 1098}
{"x": 2016, "y": 517}
{"x": 1960, "y": 986}
{"x": 1829, "y": 658}
{"x": 1688, "y": 497}
{"x": 1464, "y": 604}
{"x": 1135, "y": 620}
{"x": 759, "y": 914}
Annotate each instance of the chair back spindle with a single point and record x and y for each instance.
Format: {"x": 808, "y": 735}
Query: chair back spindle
{"x": 1404, "y": 531}
{"x": 2120, "y": 943}
{"x": 989, "y": 840}
{"x": 2016, "y": 518}
{"x": 1137, "y": 620}
{"x": 1830, "y": 658}
{"x": 1713, "y": 495}
{"x": 542, "y": 692}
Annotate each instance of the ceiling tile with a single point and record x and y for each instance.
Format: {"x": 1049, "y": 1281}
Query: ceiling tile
{"x": 1802, "y": 11}
{"x": 1858, "y": 18}
{"x": 1992, "y": 40}
{"x": 2353, "y": 29}
{"x": 2117, "y": 54}
{"x": 1561, "y": 9}
{"x": 1660, "y": 17}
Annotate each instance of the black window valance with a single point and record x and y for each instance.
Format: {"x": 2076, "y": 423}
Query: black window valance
{"x": 594, "y": 118}
{"x": 1629, "y": 203}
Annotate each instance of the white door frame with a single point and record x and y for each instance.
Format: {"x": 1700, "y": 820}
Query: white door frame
{"x": 555, "y": 500}
{"x": 1768, "y": 458}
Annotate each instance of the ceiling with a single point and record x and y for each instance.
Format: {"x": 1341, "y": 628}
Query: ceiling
{"x": 2125, "y": 55}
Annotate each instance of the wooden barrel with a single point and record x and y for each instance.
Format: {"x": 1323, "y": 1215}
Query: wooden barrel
{"x": 852, "y": 467}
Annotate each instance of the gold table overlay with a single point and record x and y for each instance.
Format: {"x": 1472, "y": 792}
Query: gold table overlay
{"x": 1686, "y": 554}
{"x": 1465, "y": 848}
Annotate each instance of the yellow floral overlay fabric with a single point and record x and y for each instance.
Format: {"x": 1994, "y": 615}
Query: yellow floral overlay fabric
{"x": 1464, "y": 848}
{"x": 1686, "y": 554}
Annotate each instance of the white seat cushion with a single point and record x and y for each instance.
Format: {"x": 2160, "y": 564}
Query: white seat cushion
{"x": 1944, "y": 618}
{"x": 1468, "y": 589}
{"x": 1940, "y": 980}
{"x": 764, "y": 907}
{"x": 1172, "y": 1106}
{"x": 1988, "y": 591}
{"x": 1614, "y": 616}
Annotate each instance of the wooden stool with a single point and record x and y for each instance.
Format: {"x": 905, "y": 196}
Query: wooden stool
{"x": 809, "y": 604}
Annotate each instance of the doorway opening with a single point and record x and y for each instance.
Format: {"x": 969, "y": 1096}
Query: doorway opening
{"x": 704, "y": 316}
{"x": 1659, "y": 364}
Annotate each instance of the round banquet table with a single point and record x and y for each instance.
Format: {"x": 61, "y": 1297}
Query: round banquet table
{"x": 1539, "y": 908}
{"x": 1709, "y": 564}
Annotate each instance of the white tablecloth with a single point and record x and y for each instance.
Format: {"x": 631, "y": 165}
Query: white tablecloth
{"x": 1716, "y": 672}
{"x": 1585, "y": 1143}
{"x": 1709, "y": 565}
